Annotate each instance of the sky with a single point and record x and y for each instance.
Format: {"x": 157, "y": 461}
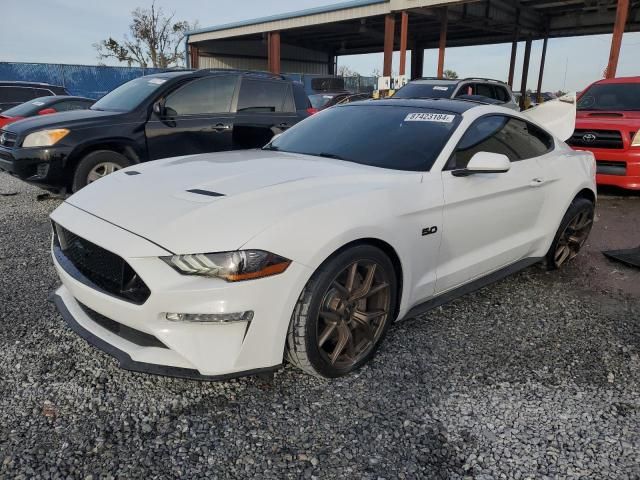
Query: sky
{"x": 63, "y": 31}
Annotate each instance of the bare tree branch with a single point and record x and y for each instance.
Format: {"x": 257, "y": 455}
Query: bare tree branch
{"x": 154, "y": 40}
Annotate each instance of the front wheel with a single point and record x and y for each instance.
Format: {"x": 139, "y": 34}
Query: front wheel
{"x": 96, "y": 165}
{"x": 343, "y": 313}
{"x": 572, "y": 234}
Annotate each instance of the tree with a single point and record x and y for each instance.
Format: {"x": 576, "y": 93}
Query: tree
{"x": 450, "y": 74}
{"x": 345, "y": 71}
{"x": 155, "y": 40}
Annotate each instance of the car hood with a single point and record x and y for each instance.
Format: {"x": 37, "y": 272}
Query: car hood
{"x": 219, "y": 201}
{"x": 604, "y": 119}
{"x": 60, "y": 120}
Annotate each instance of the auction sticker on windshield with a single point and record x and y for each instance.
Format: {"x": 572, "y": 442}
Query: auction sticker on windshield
{"x": 429, "y": 117}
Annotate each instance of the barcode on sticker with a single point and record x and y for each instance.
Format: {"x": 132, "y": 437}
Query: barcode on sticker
{"x": 429, "y": 117}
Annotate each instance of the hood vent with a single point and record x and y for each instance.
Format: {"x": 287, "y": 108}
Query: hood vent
{"x": 205, "y": 192}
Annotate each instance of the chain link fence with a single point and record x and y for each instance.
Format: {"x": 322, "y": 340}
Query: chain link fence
{"x": 84, "y": 80}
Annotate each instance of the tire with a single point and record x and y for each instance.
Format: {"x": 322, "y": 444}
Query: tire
{"x": 572, "y": 233}
{"x": 89, "y": 168}
{"x": 314, "y": 338}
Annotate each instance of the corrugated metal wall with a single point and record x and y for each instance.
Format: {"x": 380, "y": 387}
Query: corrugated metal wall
{"x": 85, "y": 80}
{"x": 247, "y": 63}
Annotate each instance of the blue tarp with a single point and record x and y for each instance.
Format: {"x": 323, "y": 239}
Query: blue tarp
{"x": 85, "y": 80}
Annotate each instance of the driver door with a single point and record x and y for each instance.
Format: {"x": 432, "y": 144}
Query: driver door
{"x": 196, "y": 118}
{"x": 491, "y": 220}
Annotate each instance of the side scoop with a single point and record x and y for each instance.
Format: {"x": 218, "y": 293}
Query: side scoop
{"x": 558, "y": 116}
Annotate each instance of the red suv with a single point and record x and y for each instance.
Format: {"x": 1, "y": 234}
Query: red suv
{"x": 608, "y": 124}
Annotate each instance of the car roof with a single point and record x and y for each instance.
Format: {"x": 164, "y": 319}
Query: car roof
{"x": 58, "y": 98}
{"x": 619, "y": 80}
{"x": 28, "y": 84}
{"x": 443, "y": 104}
{"x": 216, "y": 71}
{"x": 454, "y": 81}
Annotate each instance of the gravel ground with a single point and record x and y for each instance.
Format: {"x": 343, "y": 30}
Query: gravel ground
{"x": 534, "y": 377}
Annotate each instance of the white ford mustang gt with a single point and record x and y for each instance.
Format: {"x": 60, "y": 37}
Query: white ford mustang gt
{"x": 218, "y": 265}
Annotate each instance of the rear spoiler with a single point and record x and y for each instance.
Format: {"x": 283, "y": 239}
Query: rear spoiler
{"x": 557, "y": 116}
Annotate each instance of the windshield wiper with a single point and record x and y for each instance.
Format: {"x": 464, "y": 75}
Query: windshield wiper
{"x": 271, "y": 147}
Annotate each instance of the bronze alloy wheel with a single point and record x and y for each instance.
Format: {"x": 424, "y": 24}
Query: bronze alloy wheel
{"x": 353, "y": 313}
{"x": 574, "y": 236}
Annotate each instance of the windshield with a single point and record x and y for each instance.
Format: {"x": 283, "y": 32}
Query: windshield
{"x": 426, "y": 90}
{"x": 128, "y": 96}
{"x": 319, "y": 101}
{"x": 611, "y": 96}
{"x": 386, "y": 136}
{"x": 28, "y": 108}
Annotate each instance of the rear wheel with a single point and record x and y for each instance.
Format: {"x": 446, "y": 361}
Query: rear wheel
{"x": 572, "y": 234}
{"x": 96, "y": 165}
{"x": 343, "y": 313}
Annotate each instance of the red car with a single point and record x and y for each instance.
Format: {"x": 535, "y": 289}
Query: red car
{"x": 608, "y": 124}
{"x": 44, "y": 106}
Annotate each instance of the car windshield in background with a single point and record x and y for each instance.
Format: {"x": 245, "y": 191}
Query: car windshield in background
{"x": 386, "y": 136}
{"x": 27, "y": 108}
{"x": 611, "y": 96}
{"x": 128, "y": 96}
{"x": 437, "y": 89}
{"x": 319, "y": 101}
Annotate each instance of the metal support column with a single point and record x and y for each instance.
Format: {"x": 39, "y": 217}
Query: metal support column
{"x": 525, "y": 72}
{"x": 542, "y": 62}
{"x": 273, "y": 54}
{"x": 404, "y": 32}
{"x": 443, "y": 41}
{"x": 417, "y": 60}
{"x": 616, "y": 41}
{"x": 389, "y": 37}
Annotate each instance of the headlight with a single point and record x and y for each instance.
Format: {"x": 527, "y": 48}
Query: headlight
{"x": 45, "y": 138}
{"x": 636, "y": 140}
{"x": 230, "y": 266}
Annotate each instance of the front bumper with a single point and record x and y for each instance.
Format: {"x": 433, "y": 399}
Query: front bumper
{"x": 40, "y": 166}
{"x": 193, "y": 350}
{"x": 626, "y": 163}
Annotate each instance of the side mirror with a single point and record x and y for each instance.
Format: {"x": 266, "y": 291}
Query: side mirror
{"x": 158, "y": 108}
{"x": 47, "y": 111}
{"x": 485, "y": 162}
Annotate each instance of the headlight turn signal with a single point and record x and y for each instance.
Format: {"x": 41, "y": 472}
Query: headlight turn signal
{"x": 45, "y": 138}
{"x": 230, "y": 266}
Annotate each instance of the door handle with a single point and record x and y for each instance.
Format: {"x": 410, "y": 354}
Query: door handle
{"x": 221, "y": 127}
{"x": 537, "y": 182}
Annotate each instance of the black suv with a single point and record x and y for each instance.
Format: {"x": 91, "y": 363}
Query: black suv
{"x": 152, "y": 117}
{"x": 15, "y": 93}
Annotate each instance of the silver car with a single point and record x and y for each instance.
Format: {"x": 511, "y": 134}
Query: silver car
{"x": 475, "y": 89}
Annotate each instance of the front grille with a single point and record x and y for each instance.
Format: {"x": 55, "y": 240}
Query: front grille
{"x": 611, "y": 168}
{"x": 98, "y": 267}
{"x": 8, "y": 139}
{"x": 596, "y": 139}
{"x": 127, "y": 333}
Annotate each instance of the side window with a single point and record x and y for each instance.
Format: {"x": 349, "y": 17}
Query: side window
{"x": 68, "y": 105}
{"x": 466, "y": 89}
{"x": 502, "y": 94}
{"x": 16, "y": 94}
{"x": 263, "y": 96}
{"x": 202, "y": 96}
{"x": 42, "y": 92}
{"x": 509, "y": 136}
{"x": 485, "y": 90}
